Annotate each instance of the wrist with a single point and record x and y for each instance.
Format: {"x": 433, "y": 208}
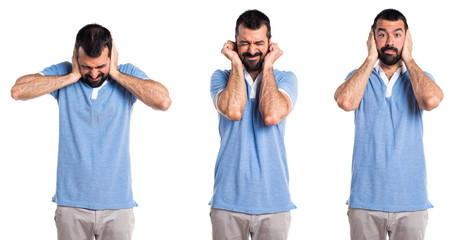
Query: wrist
{"x": 75, "y": 76}
{"x": 372, "y": 58}
{"x": 114, "y": 74}
{"x": 371, "y": 61}
{"x": 267, "y": 66}
{"x": 236, "y": 63}
{"x": 407, "y": 60}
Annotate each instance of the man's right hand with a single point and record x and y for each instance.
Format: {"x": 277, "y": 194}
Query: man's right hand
{"x": 230, "y": 51}
{"x": 371, "y": 44}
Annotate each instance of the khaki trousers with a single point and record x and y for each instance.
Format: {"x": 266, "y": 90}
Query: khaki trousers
{"x": 377, "y": 225}
{"x": 85, "y": 224}
{"x": 228, "y": 225}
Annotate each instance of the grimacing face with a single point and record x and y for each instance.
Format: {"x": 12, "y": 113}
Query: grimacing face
{"x": 94, "y": 70}
{"x": 390, "y": 37}
{"x": 252, "y": 46}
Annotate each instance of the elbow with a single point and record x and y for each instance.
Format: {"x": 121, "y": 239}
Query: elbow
{"x": 271, "y": 119}
{"x": 234, "y": 115}
{"x": 161, "y": 104}
{"x": 345, "y": 104}
{"x": 430, "y": 103}
{"x": 16, "y": 93}
{"x": 165, "y": 104}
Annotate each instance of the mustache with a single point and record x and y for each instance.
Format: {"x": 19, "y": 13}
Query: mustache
{"x": 88, "y": 76}
{"x": 246, "y": 54}
{"x": 383, "y": 49}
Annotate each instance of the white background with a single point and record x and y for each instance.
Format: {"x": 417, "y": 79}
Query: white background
{"x": 173, "y": 153}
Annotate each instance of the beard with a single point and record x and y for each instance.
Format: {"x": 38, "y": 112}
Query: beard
{"x": 389, "y": 59}
{"x": 252, "y": 66}
{"x": 94, "y": 84}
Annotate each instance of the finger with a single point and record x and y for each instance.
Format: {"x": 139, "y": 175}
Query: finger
{"x": 226, "y": 48}
{"x": 232, "y": 45}
{"x": 114, "y": 49}
{"x": 227, "y": 45}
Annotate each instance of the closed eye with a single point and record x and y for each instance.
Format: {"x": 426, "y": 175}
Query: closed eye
{"x": 244, "y": 43}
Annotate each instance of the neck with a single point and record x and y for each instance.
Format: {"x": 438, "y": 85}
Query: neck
{"x": 389, "y": 70}
{"x": 254, "y": 74}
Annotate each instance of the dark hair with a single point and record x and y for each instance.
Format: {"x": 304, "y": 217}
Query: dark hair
{"x": 93, "y": 38}
{"x": 391, "y": 15}
{"x": 253, "y": 19}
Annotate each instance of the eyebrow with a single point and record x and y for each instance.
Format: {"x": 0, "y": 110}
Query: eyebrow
{"x": 384, "y": 30}
{"x": 97, "y": 67}
{"x": 260, "y": 41}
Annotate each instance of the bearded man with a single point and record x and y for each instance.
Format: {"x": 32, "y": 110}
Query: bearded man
{"x": 253, "y": 100}
{"x": 95, "y": 98}
{"x": 388, "y": 189}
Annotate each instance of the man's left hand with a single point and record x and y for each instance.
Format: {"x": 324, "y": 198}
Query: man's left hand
{"x": 273, "y": 54}
{"x": 407, "y": 49}
{"x": 113, "y": 70}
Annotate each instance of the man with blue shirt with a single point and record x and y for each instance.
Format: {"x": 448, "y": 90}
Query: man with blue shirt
{"x": 388, "y": 189}
{"x": 251, "y": 194}
{"x": 95, "y": 96}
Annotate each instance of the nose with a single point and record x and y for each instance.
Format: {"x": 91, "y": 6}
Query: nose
{"x": 252, "y": 49}
{"x": 389, "y": 40}
{"x": 94, "y": 73}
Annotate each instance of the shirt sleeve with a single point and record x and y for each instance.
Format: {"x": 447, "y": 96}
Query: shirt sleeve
{"x": 350, "y": 74}
{"x": 219, "y": 81}
{"x": 287, "y": 83}
{"x": 63, "y": 68}
{"x": 430, "y": 76}
{"x": 133, "y": 71}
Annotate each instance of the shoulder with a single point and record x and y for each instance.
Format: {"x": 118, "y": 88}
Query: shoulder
{"x": 62, "y": 68}
{"x": 126, "y": 68}
{"x": 350, "y": 73}
{"x": 373, "y": 73}
{"x": 285, "y": 77}
{"x": 221, "y": 74}
{"x": 284, "y": 74}
{"x": 219, "y": 80}
{"x": 132, "y": 70}
{"x": 429, "y": 75}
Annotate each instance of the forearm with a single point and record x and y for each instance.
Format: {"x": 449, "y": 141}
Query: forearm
{"x": 232, "y": 100}
{"x": 35, "y": 85}
{"x": 150, "y": 92}
{"x": 427, "y": 93}
{"x": 274, "y": 105}
{"x": 350, "y": 93}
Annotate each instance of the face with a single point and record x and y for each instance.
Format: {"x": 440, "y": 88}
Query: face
{"x": 390, "y": 37}
{"x": 94, "y": 70}
{"x": 252, "y": 47}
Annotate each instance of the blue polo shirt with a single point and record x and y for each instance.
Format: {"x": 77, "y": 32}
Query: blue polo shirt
{"x": 251, "y": 172}
{"x": 93, "y": 156}
{"x": 388, "y": 165}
